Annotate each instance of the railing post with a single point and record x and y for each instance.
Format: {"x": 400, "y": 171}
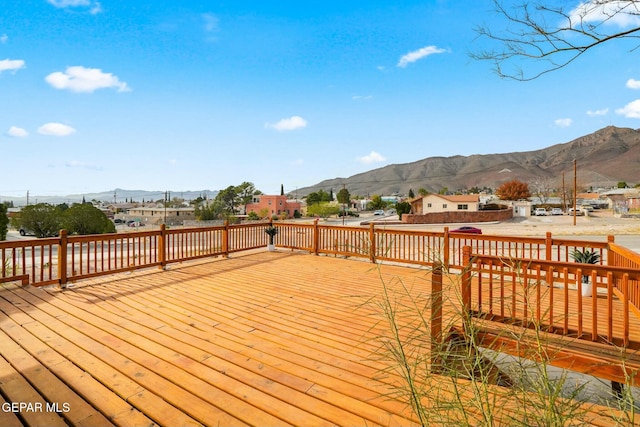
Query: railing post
{"x": 162, "y": 246}
{"x": 548, "y": 247}
{"x": 436, "y": 316}
{"x": 610, "y": 239}
{"x": 225, "y": 239}
{"x": 466, "y": 279}
{"x": 62, "y": 258}
{"x": 446, "y": 248}
{"x": 372, "y": 242}
{"x": 316, "y": 237}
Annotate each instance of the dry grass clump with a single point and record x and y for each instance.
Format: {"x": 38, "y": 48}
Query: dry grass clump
{"x": 456, "y": 381}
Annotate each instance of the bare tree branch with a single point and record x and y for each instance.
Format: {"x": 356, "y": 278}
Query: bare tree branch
{"x": 549, "y": 38}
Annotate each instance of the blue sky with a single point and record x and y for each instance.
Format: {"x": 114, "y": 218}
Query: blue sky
{"x": 168, "y": 95}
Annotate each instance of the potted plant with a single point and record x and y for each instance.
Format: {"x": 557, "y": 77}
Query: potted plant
{"x": 586, "y": 256}
{"x": 271, "y": 230}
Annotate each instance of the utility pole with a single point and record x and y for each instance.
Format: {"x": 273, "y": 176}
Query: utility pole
{"x": 27, "y": 197}
{"x": 575, "y": 190}
{"x": 166, "y": 193}
{"x": 564, "y": 195}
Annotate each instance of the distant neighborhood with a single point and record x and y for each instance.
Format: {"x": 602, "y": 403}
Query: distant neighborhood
{"x": 244, "y": 202}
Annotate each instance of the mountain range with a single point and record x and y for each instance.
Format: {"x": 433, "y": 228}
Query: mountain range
{"x": 603, "y": 159}
{"x": 118, "y": 195}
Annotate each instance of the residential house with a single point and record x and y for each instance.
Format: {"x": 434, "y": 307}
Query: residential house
{"x": 161, "y": 215}
{"x": 432, "y": 203}
{"x": 274, "y": 205}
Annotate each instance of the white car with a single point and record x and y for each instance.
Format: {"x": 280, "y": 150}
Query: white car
{"x": 378, "y": 212}
{"x": 540, "y": 212}
{"x": 579, "y": 212}
{"x": 556, "y": 211}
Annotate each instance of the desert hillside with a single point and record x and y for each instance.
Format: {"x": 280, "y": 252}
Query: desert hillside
{"x": 604, "y": 157}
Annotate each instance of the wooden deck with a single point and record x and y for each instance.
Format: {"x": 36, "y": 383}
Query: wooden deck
{"x": 270, "y": 338}
{"x": 265, "y": 339}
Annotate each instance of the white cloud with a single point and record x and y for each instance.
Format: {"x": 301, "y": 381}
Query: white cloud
{"x": 622, "y": 13}
{"x": 418, "y": 54}
{"x": 93, "y": 6}
{"x": 373, "y": 157}
{"x": 633, "y": 84}
{"x": 4, "y": 38}
{"x": 11, "y": 64}
{"x": 210, "y": 26}
{"x": 17, "y": 132}
{"x": 362, "y": 97}
{"x": 81, "y": 164}
{"x": 563, "y": 123}
{"x": 210, "y": 22}
{"x": 298, "y": 162}
{"x": 81, "y": 79}
{"x": 291, "y": 123}
{"x": 631, "y": 110}
{"x": 594, "y": 113}
{"x": 56, "y": 129}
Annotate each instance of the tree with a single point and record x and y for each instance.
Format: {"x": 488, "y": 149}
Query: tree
{"x": 4, "y": 221}
{"x": 403, "y": 208}
{"x": 83, "y": 218}
{"x": 322, "y": 209}
{"x": 550, "y": 37}
{"x": 411, "y": 194}
{"x": 422, "y": 191}
{"x": 228, "y": 198}
{"x": 343, "y": 196}
{"x": 513, "y": 190}
{"x": 282, "y": 189}
{"x": 209, "y": 212}
{"x": 42, "y": 219}
{"x": 377, "y": 202}
{"x": 317, "y": 197}
{"x": 245, "y": 193}
{"x": 542, "y": 188}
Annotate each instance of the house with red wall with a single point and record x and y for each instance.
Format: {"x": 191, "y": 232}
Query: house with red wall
{"x": 274, "y": 205}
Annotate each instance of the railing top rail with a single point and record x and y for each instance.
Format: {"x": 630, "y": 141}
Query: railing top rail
{"x": 111, "y": 236}
{"x": 582, "y": 243}
{"x": 625, "y": 252}
{"x": 250, "y": 224}
{"x": 193, "y": 229}
{"x": 572, "y": 267}
{"x": 48, "y": 241}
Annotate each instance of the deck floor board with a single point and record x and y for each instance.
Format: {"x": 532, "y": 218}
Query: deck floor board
{"x": 263, "y": 339}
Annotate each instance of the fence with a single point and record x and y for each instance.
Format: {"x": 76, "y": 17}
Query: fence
{"x": 68, "y": 258}
{"x": 549, "y": 295}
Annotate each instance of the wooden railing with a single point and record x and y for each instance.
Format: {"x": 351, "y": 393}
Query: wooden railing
{"x": 548, "y": 294}
{"x": 67, "y": 258}
{"x": 620, "y": 256}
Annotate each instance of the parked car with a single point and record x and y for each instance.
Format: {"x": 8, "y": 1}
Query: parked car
{"x": 556, "y": 211}
{"x": 540, "y": 212}
{"x": 467, "y": 230}
{"x": 579, "y": 211}
{"x": 23, "y": 232}
{"x": 378, "y": 212}
{"x": 587, "y": 208}
{"x": 135, "y": 224}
